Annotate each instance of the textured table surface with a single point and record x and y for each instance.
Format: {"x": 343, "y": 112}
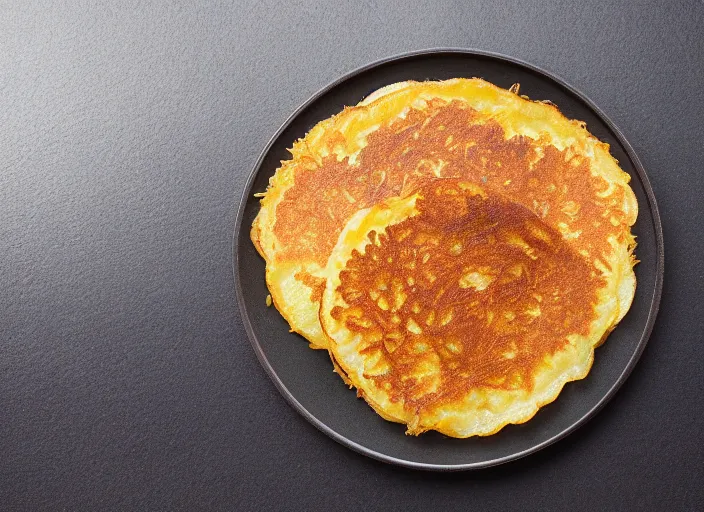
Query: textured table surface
{"x": 126, "y": 136}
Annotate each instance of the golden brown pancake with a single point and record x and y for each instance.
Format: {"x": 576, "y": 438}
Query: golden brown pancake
{"x": 467, "y": 128}
{"x": 459, "y": 310}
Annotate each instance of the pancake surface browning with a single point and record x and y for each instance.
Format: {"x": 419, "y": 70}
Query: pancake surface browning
{"x": 458, "y": 310}
{"x": 466, "y": 128}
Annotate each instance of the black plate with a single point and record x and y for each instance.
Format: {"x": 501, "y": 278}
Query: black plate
{"x": 304, "y": 377}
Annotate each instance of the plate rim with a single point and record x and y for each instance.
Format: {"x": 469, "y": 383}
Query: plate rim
{"x": 652, "y": 313}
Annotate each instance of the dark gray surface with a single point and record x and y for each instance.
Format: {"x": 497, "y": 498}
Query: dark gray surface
{"x": 126, "y": 381}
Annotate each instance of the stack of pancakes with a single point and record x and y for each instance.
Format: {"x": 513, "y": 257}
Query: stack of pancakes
{"x": 458, "y": 249}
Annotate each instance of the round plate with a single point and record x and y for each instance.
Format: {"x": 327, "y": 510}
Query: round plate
{"x": 304, "y": 376}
